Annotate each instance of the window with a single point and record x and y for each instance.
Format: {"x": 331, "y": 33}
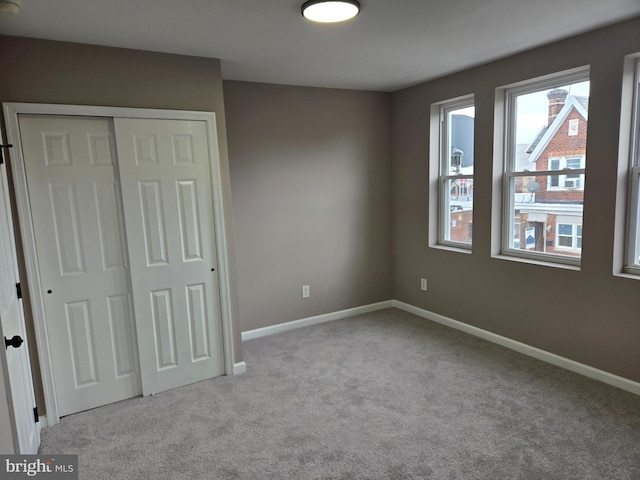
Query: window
{"x": 569, "y": 236}
{"x": 632, "y": 263}
{"x": 544, "y": 167}
{"x": 568, "y": 180}
{"x": 454, "y": 151}
{"x": 574, "y": 123}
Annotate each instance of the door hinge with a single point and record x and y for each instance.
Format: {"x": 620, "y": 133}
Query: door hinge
{"x": 18, "y": 290}
{"x": 36, "y": 417}
{"x": 2, "y": 152}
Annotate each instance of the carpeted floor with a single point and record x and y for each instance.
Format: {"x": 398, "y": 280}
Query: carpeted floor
{"x": 386, "y": 395}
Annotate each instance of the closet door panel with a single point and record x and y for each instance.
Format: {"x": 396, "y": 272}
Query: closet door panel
{"x": 166, "y": 191}
{"x": 74, "y": 197}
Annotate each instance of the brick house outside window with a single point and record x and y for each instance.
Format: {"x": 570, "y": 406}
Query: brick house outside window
{"x": 548, "y": 208}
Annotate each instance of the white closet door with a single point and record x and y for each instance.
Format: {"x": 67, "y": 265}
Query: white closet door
{"x": 12, "y": 320}
{"x": 166, "y": 190}
{"x": 74, "y": 196}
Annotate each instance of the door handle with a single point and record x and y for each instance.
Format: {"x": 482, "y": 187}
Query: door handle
{"x": 15, "y": 342}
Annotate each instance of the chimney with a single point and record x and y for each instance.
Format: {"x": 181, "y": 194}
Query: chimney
{"x": 556, "y": 97}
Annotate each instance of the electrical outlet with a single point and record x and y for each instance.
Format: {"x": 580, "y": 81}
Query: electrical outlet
{"x": 305, "y": 291}
{"x": 423, "y": 284}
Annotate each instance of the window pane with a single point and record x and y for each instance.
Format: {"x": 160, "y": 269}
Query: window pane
{"x": 541, "y": 126}
{"x": 548, "y": 133}
{"x": 455, "y": 170}
{"x": 632, "y": 260}
{"x": 574, "y": 163}
{"x": 564, "y": 241}
{"x": 541, "y": 225}
{"x": 458, "y": 210}
{"x": 635, "y": 260}
{"x": 459, "y": 149}
{"x": 564, "y": 229}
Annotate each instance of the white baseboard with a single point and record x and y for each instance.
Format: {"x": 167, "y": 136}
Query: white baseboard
{"x": 586, "y": 370}
{"x": 552, "y": 358}
{"x": 239, "y": 368}
{"x": 305, "y": 322}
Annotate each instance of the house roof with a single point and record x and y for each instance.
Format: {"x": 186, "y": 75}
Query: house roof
{"x": 537, "y": 139}
{"x": 579, "y": 103}
{"x": 584, "y": 101}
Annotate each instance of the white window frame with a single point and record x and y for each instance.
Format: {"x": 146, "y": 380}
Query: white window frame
{"x": 440, "y": 177}
{"x": 564, "y": 172}
{"x": 632, "y": 264}
{"x": 574, "y": 237}
{"x": 506, "y": 98}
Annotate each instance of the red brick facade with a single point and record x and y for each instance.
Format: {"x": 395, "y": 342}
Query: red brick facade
{"x": 462, "y": 226}
{"x": 562, "y": 145}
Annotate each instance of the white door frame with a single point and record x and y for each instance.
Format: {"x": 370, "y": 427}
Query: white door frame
{"x": 11, "y": 112}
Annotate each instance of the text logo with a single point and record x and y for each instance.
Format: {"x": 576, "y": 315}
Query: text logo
{"x": 50, "y": 467}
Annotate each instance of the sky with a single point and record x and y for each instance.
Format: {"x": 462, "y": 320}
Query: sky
{"x": 533, "y": 111}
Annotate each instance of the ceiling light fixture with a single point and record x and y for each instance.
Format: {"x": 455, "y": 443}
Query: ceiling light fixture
{"x": 11, "y": 7}
{"x": 330, "y": 11}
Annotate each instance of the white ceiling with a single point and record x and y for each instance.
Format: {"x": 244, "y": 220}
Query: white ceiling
{"x": 390, "y": 45}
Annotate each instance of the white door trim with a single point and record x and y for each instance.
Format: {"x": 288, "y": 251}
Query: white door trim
{"x": 11, "y": 112}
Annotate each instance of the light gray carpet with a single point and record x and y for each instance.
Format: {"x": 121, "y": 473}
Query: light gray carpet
{"x": 385, "y": 395}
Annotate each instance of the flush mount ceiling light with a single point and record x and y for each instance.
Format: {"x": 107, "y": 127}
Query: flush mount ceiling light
{"x": 330, "y": 11}
{"x": 11, "y": 7}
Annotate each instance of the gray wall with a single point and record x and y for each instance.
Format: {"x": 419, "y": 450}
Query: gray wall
{"x": 310, "y": 179}
{"x": 589, "y": 316}
{"x": 43, "y": 71}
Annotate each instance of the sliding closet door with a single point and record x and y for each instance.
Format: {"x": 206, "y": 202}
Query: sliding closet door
{"x": 166, "y": 191}
{"x": 74, "y": 196}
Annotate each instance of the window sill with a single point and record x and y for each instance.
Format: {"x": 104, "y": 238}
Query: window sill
{"x": 536, "y": 261}
{"x": 630, "y": 276}
{"x": 451, "y": 248}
